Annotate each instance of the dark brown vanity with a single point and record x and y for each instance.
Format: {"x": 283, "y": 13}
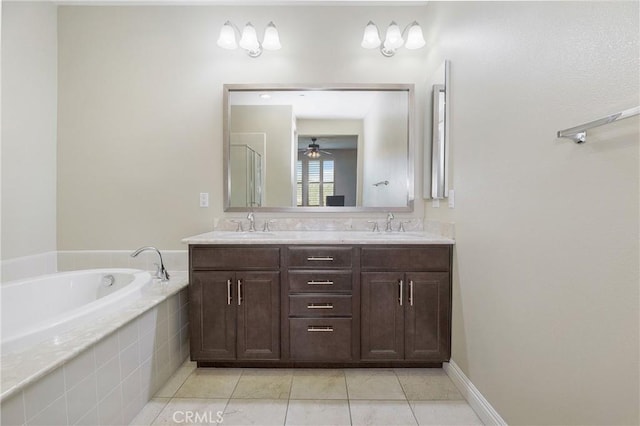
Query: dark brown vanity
{"x": 284, "y": 305}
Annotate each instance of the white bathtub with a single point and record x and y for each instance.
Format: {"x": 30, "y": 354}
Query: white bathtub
{"x": 41, "y": 308}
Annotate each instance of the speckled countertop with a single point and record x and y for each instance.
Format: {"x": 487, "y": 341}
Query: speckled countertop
{"x": 318, "y": 237}
{"x": 26, "y": 366}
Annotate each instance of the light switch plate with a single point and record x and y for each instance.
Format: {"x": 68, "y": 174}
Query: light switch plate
{"x": 204, "y": 199}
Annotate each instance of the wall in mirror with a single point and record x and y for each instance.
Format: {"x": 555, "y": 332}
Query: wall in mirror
{"x": 328, "y": 149}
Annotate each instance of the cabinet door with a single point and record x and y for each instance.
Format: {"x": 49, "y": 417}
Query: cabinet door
{"x": 382, "y": 315}
{"x": 427, "y": 328}
{"x": 213, "y": 316}
{"x": 258, "y": 315}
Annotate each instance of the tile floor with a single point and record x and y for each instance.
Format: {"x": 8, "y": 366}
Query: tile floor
{"x": 247, "y": 396}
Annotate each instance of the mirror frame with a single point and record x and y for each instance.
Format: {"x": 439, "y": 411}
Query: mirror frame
{"x": 439, "y": 185}
{"x": 409, "y": 88}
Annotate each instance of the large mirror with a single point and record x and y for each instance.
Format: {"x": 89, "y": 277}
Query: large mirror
{"x": 327, "y": 149}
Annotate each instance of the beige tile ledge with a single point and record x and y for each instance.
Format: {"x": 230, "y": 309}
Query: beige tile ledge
{"x": 21, "y": 368}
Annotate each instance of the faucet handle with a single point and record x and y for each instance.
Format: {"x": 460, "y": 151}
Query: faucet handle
{"x": 401, "y": 226}
{"x": 265, "y": 227}
{"x": 375, "y": 228}
{"x": 239, "y": 222}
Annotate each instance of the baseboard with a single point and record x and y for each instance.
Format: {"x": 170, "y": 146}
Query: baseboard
{"x": 480, "y": 405}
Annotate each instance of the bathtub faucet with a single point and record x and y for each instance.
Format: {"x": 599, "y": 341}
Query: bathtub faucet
{"x": 161, "y": 272}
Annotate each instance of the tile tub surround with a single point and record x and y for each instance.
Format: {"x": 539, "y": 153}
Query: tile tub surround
{"x": 71, "y": 260}
{"x": 127, "y": 355}
{"x": 29, "y": 266}
{"x": 310, "y": 397}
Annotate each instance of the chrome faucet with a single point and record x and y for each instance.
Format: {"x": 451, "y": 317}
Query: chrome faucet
{"x": 252, "y": 222}
{"x": 161, "y": 271}
{"x": 387, "y": 228}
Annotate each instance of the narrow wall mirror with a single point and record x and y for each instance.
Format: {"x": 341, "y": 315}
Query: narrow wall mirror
{"x": 440, "y": 134}
{"x": 327, "y": 149}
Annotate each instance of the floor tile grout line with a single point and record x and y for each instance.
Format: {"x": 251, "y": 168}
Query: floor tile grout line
{"x": 288, "y": 400}
{"x": 406, "y": 398}
{"x": 224, "y": 410}
{"x": 346, "y": 385}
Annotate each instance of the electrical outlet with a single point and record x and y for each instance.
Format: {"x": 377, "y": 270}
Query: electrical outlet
{"x": 204, "y": 199}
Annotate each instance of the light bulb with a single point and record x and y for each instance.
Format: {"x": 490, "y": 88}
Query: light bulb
{"x": 249, "y": 39}
{"x": 415, "y": 39}
{"x": 371, "y": 38}
{"x": 227, "y": 39}
{"x": 271, "y": 38}
{"x": 393, "y": 39}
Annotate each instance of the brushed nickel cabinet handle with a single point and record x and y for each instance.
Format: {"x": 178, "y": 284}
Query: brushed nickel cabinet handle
{"x": 239, "y": 292}
{"x": 401, "y": 282}
{"x": 411, "y": 292}
{"x": 320, "y": 306}
{"x": 313, "y": 328}
{"x": 324, "y": 282}
{"x": 229, "y": 292}
{"x": 320, "y": 259}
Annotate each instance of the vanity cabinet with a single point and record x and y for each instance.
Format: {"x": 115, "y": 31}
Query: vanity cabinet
{"x": 406, "y": 304}
{"x": 320, "y": 298}
{"x": 320, "y": 305}
{"x": 235, "y": 303}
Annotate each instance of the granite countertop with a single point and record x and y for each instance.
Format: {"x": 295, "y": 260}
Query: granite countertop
{"x": 318, "y": 237}
{"x": 24, "y": 367}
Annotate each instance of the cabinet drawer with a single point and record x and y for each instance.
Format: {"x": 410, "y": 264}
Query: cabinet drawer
{"x": 320, "y": 257}
{"x": 330, "y": 305}
{"x": 434, "y": 258}
{"x": 319, "y": 281}
{"x": 235, "y": 258}
{"x": 320, "y": 339}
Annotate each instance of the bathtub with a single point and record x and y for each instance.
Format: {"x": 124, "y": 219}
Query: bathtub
{"x": 43, "y": 307}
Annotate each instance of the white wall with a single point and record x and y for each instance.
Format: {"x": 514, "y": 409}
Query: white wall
{"x": 140, "y": 108}
{"x": 385, "y": 153}
{"x": 29, "y": 102}
{"x": 546, "y": 257}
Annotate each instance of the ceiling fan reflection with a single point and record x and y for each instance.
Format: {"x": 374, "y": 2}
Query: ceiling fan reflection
{"x": 314, "y": 151}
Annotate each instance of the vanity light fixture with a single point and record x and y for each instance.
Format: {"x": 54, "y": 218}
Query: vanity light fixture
{"x": 393, "y": 38}
{"x": 249, "y": 38}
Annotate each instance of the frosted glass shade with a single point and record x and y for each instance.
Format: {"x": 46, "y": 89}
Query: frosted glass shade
{"x": 415, "y": 39}
{"x": 249, "y": 39}
{"x": 371, "y": 38}
{"x": 393, "y": 39}
{"x": 227, "y": 39}
{"x": 271, "y": 38}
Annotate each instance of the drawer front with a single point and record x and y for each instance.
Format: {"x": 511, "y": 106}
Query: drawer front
{"x": 319, "y": 281}
{"x": 320, "y": 257}
{"x": 320, "y": 339}
{"x": 330, "y": 305}
{"x": 436, "y": 258}
{"x": 235, "y": 258}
